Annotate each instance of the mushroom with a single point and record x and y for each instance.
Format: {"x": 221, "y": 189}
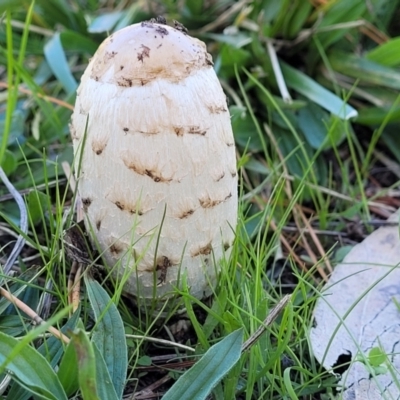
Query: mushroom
{"x": 155, "y": 160}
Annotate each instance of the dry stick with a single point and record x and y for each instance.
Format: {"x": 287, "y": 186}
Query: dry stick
{"x": 77, "y": 288}
{"x": 160, "y": 341}
{"x": 73, "y": 286}
{"x": 148, "y": 392}
{"x": 32, "y": 314}
{"x": 42, "y": 96}
{"x": 23, "y": 222}
{"x": 267, "y": 322}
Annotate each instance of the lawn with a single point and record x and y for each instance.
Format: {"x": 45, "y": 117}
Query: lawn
{"x": 313, "y": 95}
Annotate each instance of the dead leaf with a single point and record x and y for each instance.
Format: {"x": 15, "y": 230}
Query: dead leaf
{"x": 362, "y": 293}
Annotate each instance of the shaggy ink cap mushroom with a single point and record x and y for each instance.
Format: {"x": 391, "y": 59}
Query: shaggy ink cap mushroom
{"x": 156, "y": 159}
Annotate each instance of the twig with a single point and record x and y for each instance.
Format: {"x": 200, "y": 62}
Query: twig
{"x": 23, "y": 222}
{"x": 41, "y": 96}
{"x": 32, "y": 314}
{"x": 160, "y": 341}
{"x": 267, "y": 322}
{"x": 148, "y": 392}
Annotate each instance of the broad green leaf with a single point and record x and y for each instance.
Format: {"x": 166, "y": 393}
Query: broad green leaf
{"x": 315, "y": 92}
{"x": 52, "y": 349}
{"x": 376, "y": 115}
{"x": 109, "y": 333}
{"x": 312, "y": 120}
{"x": 386, "y": 54}
{"x": 74, "y": 41}
{"x": 105, "y": 387}
{"x": 198, "y": 381}
{"x": 55, "y": 56}
{"x": 237, "y": 41}
{"x": 11, "y": 325}
{"x": 391, "y": 138}
{"x": 68, "y": 370}
{"x": 105, "y": 22}
{"x": 365, "y": 70}
{"x": 86, "y": 365}
{"x": 298, "y": 18}
{"x": 339, "y": 12}
{"x": 246, "y": 134}
{"x": 30, "y": 369}
{"x": 9, "y": 163}
{"x": 37, "y": 204}
{"x": 377, "y": 356}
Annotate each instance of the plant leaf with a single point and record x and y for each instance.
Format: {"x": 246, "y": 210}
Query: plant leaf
{"x": 316, "y": 93}
{"x": 198, "y": 381}
{"x": 86, "y": 365}
{"x": 55, "y": 56}
{"x": 105, "y": 387}
{"x": 386, "y": 54}
{"x": 30, "y": 369}
{"x": 109, "y": 333}
{"x": 68, "y": 372}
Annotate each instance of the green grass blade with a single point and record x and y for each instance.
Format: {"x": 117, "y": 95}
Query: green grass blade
{"x": 109, "y": 333}
{"x": 312, "y": 90}
{"x": 30, "y": 369}
{"x": 197, "y": 383}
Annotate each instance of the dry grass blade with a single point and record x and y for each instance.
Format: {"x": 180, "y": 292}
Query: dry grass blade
{"x": 42, "y": 96}
{"x": 32, "y": 314}
{"x": 267, "y": 322}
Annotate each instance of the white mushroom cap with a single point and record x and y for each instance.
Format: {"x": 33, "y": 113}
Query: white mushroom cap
{"x": 156, "y": 159}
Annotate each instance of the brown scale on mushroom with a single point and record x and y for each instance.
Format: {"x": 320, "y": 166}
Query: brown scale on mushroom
{"x": 98, "y": 146}
{"x": 124, "y": 207}
{"x": 227, "y": 246}
{"x": 143, "y": 54}
{"x": 74, "y": 134}
{"x": 116, "y": 249}
{"x": 162, "y": 31}
{"x": 179, "y": 130}
{"x": 156, "y": 176}
{"x": 110, "y": 55}
{"x": 203, "y": 250}
{"x": 214, "y": 109}
{"x": 163, "y": 268}
{"x": 218, "y": 178}
{"x": 180, "y": 27}
{"x": 196, "y": 130}
{"x": 186, "y": 214}
{"x": 86, "y": 202}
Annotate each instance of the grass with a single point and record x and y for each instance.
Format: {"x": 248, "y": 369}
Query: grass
{"x": 308, "y": 174}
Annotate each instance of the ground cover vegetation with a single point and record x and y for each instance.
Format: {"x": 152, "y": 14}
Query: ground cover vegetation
{"x": 313, "y": 89}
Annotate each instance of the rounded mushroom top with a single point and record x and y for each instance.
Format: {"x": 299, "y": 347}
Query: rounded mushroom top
{"x": 140, "y": 53}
